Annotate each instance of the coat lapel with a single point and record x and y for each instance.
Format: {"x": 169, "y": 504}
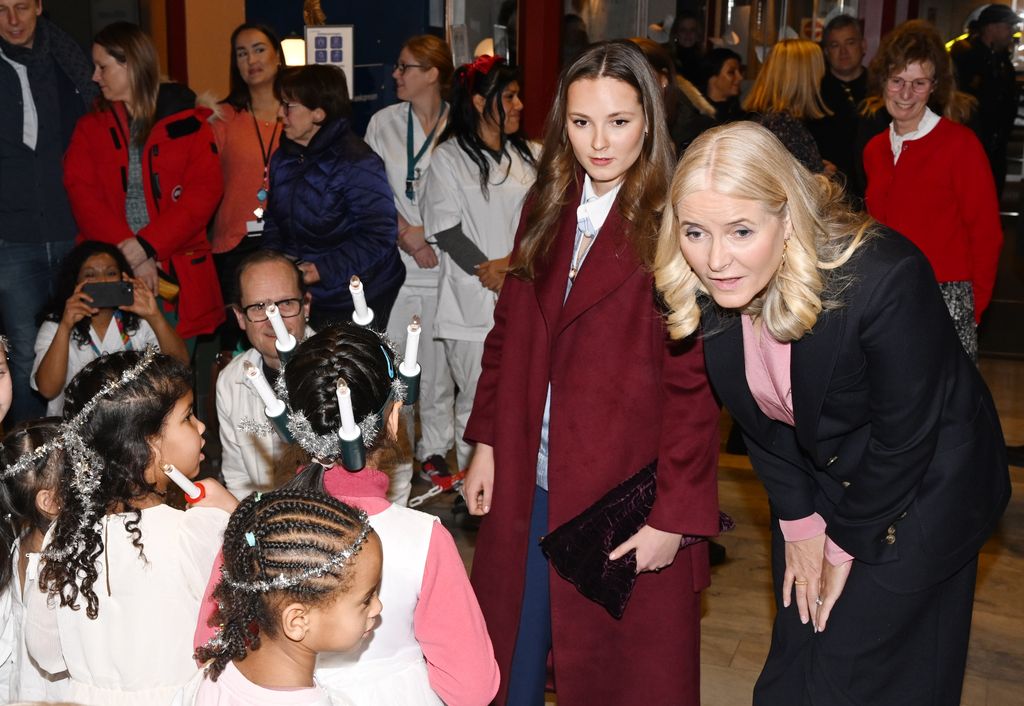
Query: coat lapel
{"x": 723, "y": 358}
{"x": 608, "y": 264}
{"x": 550, "y": 281}
{"x": 812, "y": 363}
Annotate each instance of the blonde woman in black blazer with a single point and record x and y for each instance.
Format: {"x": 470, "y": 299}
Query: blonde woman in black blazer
{"x": 873, "y": 433}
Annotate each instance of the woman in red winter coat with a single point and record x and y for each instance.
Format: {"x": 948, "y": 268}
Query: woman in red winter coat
{"x": 579, "y": 391}
{"x": 142, "y": 173}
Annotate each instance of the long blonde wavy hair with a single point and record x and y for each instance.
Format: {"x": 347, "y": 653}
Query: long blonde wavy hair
{"x": 744, "y": 160}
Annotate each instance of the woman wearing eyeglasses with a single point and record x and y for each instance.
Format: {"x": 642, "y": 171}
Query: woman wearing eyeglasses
{"x": 404, "y": 135}
{"x": 330, "y": 207}
{"x": 928, "y": 176}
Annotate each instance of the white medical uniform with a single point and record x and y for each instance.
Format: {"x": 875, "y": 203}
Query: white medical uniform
{"x": 451, "y": 196}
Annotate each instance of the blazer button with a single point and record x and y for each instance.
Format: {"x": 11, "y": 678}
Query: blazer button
{"x": 831, "y": 461}
{"x": 890, "y": 539}
{"x": 902, "y": 515}
{"x": 846, "y": 484}
{"x": 891, "y": 530}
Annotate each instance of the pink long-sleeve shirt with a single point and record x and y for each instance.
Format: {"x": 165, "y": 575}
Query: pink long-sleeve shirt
{"x": 766, "y": 363}
{"x": 447, "y": 623}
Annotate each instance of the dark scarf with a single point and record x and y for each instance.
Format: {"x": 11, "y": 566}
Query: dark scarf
{"x": 60, "y": 77}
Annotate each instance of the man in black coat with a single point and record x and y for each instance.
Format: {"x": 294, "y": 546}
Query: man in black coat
{"x": 45, "y": 86}
{"x": 983, "y": 69}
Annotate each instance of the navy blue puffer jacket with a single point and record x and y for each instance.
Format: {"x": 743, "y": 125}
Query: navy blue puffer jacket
{"x": 331, "y": 205}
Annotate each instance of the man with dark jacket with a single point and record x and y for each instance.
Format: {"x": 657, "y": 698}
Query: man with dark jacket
{"x": 45, "y": 86}
{"x": 843, "y": 88}
{"x": 983, "y": 69}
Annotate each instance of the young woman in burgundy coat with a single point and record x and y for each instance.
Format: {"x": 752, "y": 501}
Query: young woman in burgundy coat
{"x": 580, "y": 390}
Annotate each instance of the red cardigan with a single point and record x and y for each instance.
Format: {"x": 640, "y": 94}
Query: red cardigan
{"x": 182, "y": 181}
{"x": 941, "y": 195}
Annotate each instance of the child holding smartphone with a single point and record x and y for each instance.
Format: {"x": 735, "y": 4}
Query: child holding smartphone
{"x": 76, "y": 331}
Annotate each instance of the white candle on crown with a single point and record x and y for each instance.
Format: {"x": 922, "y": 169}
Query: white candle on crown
{"x": 348, "y": 430}
{"x": 284, "y": 339}
{"x": 255, "y": 378}
{"x": 178, "y": 478}
{"x": 412, "y": 346}
{"x": 362, "y": 315}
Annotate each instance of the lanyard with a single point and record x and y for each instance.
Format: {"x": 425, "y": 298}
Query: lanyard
{"x": 125, "y": 340}
{"x": 265, "y": 151}
{"x": 411, "y": 171}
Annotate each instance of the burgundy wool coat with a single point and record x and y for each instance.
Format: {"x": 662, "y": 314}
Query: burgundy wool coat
{"x": 620, "y": 397}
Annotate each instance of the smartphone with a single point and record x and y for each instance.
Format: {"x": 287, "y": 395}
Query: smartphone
{"x": 110, "y": 295}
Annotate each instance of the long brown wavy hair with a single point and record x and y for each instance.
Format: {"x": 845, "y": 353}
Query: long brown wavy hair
{"x": 644, "y": 186}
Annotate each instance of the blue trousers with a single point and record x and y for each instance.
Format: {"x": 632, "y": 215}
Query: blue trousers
{"x": 528, "y": 674}
{"x": 27, "y": 273}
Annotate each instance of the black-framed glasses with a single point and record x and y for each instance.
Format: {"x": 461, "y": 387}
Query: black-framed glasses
{"x": 401, "y": 67}
{"x": 255, "y": 313}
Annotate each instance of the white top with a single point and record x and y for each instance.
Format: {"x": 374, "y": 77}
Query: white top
{"x": 928, "y": 122}
{"x": 139, "y": 649}
{"x": 387, "y": 135}
{"x": 233, "y": 689}
{"x": 388, "y": 668}
{"x": 29, "y": 117}
{"x": 248, "y": 457}
{"x": 79, "y": 356}
{"x": 22, "y": 680}
{"x": 451, "y": 195}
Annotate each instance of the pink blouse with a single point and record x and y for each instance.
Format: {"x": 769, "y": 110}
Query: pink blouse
{"x": 766, "y": 363}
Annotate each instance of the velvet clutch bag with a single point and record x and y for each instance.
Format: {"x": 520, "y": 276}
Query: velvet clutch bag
{"x": 579, "y": 548}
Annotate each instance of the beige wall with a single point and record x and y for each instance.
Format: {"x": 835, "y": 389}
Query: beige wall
{"x": 209, "y": 24}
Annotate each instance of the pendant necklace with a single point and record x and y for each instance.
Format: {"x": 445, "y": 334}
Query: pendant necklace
{"x": 265, "y": 152}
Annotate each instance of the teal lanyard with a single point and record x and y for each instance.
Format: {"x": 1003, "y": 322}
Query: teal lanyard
{"x": 411, "y": 173}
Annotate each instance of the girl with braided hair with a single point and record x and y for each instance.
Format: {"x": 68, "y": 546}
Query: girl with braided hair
{"x": 301, "y": 576}
{"x": 432, "y": 645}
{"x": 28, "y": 502}
{"x": 118, "y": 557}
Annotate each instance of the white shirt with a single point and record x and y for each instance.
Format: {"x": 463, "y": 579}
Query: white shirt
{"x": 387, "y": 135}
{"x": 139, "y": 648}
{"x": 23, "y": 680}
{"x": 79, "y": 356}
{"x": 29, "y": 117}
{"x": 248, "y": 457}
{"x": 928, "y": 122}
{"x": 451, "y": 195}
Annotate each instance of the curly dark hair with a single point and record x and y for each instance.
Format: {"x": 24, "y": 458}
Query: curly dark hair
{"x": 18, "y": 494}
{"x": 293, "y": 530}
{"x": 464, "y": 120}
{"x": 119, "y": 430}
{"x": 358, "y": 355}
{"x": 67, "y": 280}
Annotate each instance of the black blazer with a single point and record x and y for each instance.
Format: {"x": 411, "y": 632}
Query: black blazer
{"x": 897, "y": 443}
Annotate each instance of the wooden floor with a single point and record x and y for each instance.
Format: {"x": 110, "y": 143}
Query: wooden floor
{"x": 738, "y": 608}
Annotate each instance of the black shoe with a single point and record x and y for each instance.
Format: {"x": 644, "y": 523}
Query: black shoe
{"x": 1015, "y": 455}
{"x": 716, "y": 553}
{"x": 434, "y": 466}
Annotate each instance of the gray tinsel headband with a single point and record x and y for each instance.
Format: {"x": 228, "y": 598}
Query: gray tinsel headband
{"x": 84, "y": 464}
{"x": 285, "y": 581}
{"x": 324, "y": 446}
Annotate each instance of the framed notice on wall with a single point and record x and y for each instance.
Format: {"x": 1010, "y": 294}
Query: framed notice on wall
{"x": 332, "y": 44}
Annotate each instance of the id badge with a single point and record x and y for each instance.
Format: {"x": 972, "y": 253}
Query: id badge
{"x": 253, "y": 229}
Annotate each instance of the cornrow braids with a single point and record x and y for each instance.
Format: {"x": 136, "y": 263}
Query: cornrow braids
{"x": 308, "y": 383}
{"x": 305, "y": 537}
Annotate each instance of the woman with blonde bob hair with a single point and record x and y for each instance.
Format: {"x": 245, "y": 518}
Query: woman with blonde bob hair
{"x": 874, "y": 435}
{"x": 786, "y": 97}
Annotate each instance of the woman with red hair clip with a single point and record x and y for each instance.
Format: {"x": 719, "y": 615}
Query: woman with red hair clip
{"x": 472, "y": 194}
